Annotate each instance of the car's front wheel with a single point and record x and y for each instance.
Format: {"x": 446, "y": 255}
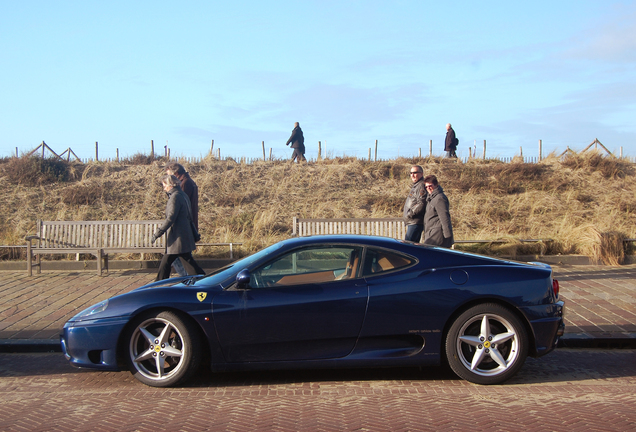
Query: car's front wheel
{"x": 162, "y": 349}
{"x": 487, "y": 344}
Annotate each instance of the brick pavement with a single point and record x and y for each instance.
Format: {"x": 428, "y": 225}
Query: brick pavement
{"x": 600, "y": 302}
{"x": 582, "y": 389}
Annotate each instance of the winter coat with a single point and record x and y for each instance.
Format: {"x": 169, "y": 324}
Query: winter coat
{"x": 449, "y": 144}
{"x": 177, "y": 224}
{"x": 438, "y": 229}
{"x": 296, "y": 139}
{"x": 192, "y": 191}
{"x": 415, "y": 204}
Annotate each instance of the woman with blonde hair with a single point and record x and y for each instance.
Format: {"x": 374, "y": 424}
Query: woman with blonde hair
{"x": 180, "y": 240}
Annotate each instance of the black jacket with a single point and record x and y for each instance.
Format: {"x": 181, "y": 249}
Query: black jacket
{"x": 192, "y": 191}
{"x": 296, "y": 139}
{"x": 450, "y": 144}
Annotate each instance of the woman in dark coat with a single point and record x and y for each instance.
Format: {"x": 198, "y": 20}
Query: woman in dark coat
{"x": 438, "y": 230}
{"x": 178, "y": 226}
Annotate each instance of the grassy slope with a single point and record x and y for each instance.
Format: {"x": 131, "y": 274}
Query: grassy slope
{"x": 586, "y": 203}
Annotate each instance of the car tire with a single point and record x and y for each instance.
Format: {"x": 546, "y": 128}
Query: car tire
{"x": 162, "y": 349}
{"x": 487, "y": 344}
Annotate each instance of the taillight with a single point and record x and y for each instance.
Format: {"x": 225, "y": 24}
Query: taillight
{"x": 555, "y": 287}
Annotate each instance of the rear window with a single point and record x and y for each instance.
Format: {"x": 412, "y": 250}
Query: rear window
{"x": 380, "y": 261}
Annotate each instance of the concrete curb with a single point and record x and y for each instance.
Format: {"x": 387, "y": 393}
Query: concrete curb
{"x": 138, "y": 265}
{"x": 30, "y": 345}
{"x": 213, "y": 263}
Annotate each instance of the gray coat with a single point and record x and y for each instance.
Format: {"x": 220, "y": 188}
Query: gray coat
{"x": 438, "y": 230}
{"x": 415, "y": 204}
{"x": 177, "y": 224}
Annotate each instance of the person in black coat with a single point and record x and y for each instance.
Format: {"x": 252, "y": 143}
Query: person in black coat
{"x": 190, "y": 188}
{"x": 297, "y": 141}
{"x": 450, "y": 144}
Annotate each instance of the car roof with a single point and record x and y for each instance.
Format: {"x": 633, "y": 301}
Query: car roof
{"x": 345, "y": 238}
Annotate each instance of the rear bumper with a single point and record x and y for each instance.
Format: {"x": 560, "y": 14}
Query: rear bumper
{"x": 547, "y": 325}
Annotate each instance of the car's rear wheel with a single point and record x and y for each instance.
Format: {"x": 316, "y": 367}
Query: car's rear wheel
{"x": 162, "y": 349}
{"x": 487, "y": 344}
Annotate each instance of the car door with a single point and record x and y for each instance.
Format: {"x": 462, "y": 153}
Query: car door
{"x": 307, "y": 304}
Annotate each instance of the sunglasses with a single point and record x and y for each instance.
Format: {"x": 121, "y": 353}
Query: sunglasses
{"x": 415, "y": 172}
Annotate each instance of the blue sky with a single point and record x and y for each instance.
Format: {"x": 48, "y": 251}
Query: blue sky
{"x": 351, "y": 72}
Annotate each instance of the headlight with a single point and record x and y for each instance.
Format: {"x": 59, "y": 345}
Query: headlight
{"x": 97, "y": 308}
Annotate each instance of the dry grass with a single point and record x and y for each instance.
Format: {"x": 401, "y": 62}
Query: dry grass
{"x": 585, "y": 203}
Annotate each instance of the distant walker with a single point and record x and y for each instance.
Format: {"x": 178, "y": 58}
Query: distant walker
{"x": 450, "y": 145}
{"x": 297, "y": 141}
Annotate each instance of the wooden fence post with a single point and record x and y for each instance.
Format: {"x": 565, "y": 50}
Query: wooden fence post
{"x": 376, "y": 150}
{"x": 117, "y": 153}
{"x": 96, "y": 152}
{"x": 263, "y": 144}
{"x": 484, "y": 149}
{"x": 319, "y": 150}
{"x": 152, "y": 149}
{"x": 420, "y": 153}
{"x": 540, "y": 150}
{"x": 430, "y": 147}
{"x": 369, "y": 154}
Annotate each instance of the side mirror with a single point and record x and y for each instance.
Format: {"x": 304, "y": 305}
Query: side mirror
{"x": 243, "y": 278}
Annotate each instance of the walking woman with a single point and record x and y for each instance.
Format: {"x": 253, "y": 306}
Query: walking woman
{"x": 180, "y": 240}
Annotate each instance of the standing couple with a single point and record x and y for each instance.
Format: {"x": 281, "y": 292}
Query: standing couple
{"x": 427, "y": 210}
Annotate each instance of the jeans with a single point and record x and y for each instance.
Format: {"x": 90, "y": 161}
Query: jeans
{"x": 168, "y": 259}
{"x": 298, "y": 155}
{"x": 177, "y": 265}
{"x": 414, "y": 233}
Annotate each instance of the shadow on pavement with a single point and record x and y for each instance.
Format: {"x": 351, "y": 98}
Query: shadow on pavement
{"x": 562, "y": 365}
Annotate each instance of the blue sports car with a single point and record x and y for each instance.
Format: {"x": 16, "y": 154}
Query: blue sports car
{"x": 328, "y": 301}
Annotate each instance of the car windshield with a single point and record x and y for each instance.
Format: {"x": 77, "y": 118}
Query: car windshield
{"x": 218, "y": 276}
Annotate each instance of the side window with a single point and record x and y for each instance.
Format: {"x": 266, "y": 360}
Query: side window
{"x": 378, "y": 261}
{"x": 310, "y": 265}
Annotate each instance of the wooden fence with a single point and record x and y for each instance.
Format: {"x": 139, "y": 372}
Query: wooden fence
{"x": 216, "y": 154}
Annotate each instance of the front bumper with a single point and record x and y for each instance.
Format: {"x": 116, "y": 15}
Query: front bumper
{"x": 92, "y": 344}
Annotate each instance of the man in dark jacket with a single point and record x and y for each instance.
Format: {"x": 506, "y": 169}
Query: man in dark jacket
{"x": 450, "y": 144}
{"x": 188, "y": 186}
{"x": 192, "y": 191}
{"x": 297, "y": 141}
{"x": 180, "y": 239}
{"x": 415, "y": 206}
{"x": 438, "y": 230}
